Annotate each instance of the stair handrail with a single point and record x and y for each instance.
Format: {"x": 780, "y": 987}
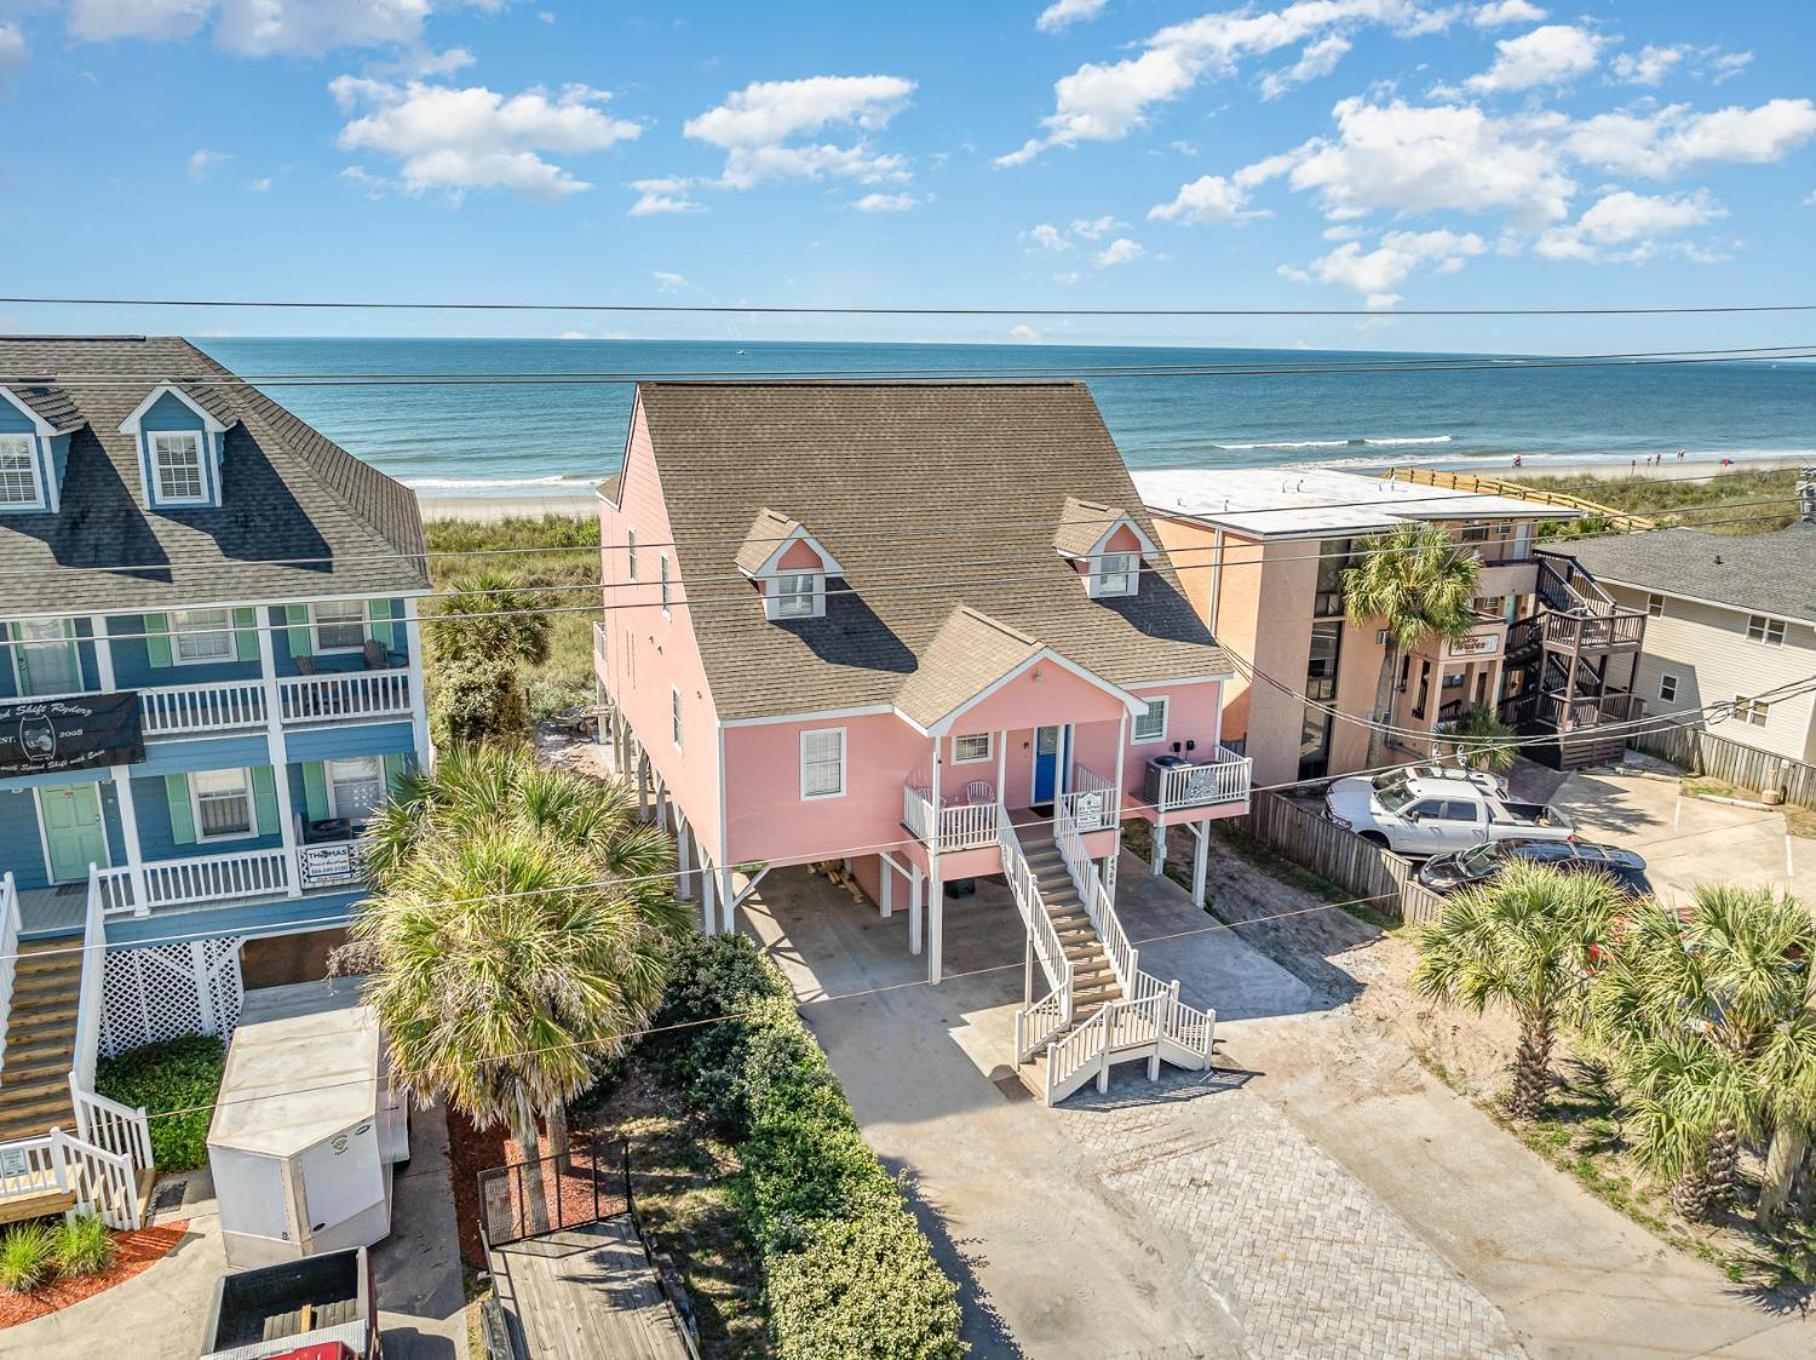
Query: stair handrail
{"x": 1023, "y": 887}
{"x": 106, "y": 1125}
{"x": 1125, "y": 959}
{"x": 89, "y": 995}
{"x": 1073, "y": 1054}
{"x": 12, "y": 925}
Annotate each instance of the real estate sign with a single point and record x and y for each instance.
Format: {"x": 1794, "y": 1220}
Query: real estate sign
{"x": 45, "y": 736}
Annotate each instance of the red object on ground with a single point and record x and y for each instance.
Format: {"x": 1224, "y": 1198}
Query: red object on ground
{"x": 328, "y": 1350}
{"x": 134, "y": 1252}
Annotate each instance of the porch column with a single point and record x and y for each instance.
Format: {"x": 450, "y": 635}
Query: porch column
{"x": 914, "y": 908}
{"x": 1201, "y": 860}
{"x": 104, "y": 667}
{"x": 276, "y": 755}
{"x": 642, "y": 787}
{"x": 1122, "y": 798}
{"x": 709, "y": 920}
{"x": 728, "y": 902}
{"x": 1157, "y": 853}
{"x": 419, "y": 701}
{"x": 683, "y": 860}
{"x": 129, "y": 832}
{"x": 886, "y": 872}
{"x": 936, "y": 913}
{"x": 1002, "y": 767}
{"x": 662, "y": 802}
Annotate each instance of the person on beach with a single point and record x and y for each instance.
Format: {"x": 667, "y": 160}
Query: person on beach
{"x": 1519, "y": 460}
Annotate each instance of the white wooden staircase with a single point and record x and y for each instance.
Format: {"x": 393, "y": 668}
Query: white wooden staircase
{"x": 1101, "y": 1008}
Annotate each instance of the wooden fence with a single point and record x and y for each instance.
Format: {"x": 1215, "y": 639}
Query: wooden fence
{"x": 1705, "y": 753}
{"x": 1343, "y": 857}
{"x": 1501, "y": 486}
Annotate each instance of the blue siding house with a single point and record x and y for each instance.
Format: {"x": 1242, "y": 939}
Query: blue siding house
{"x": 210, "y": 671}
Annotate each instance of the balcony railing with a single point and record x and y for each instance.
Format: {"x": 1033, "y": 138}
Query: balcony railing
{"x": 956, "y": 826}
{"x": 179, "y": 709}
{"x": 1595, "y": 632}
{"x": 1094, "y": 802}
{"x": 229, "y": 705}
{"x": 344, "y": 694}
{"x": 1207, "y": 785}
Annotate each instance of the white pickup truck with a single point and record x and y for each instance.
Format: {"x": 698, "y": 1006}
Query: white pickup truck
{"x": 1415, "y": 814}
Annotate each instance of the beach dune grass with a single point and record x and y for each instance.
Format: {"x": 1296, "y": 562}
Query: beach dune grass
{"x": 1690, "y": 503}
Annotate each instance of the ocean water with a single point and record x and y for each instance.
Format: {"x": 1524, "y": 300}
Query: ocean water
{"x": 529, "y": 438}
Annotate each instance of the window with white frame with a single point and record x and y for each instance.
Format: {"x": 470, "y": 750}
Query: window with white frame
{"x": 1751, "y": 710}
{"x": 19, "y": 471}
{"x": 823, "y": 763}
{"x": 1116, "y": 574}
{"x": 797, "y": 594}
{"x": 674, "y": 716}
{"x": 630, "y": 554}
{"x": 176, "y": 461}
{"x": 355, "y": 787}
{"x": 1152, "y": 725}
{"x": 667, "y": 597}
{"x": 340, "y": 625}
{"x": 223, "y": 804}
{"x": 1766, "y": 630}
{"x": 1667, "y": 687}
{"x": 45, "y": 659}
{"x": 973, "y": 747}
{"x": 203, "y": 635}
{"x": 1655, "y": 605}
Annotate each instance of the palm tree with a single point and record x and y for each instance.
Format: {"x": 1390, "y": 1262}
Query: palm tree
{"x": 1725, "y": 982}
{"x": 1416, "y": 581}
{"x": 1482, "y": 741}
{"x": 1524, "y": 941}
{"x": 493, "y": 616}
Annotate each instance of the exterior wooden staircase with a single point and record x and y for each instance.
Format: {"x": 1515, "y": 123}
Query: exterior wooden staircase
{"x": 40, "y": 1047}
{"x": 1094, "y": 983}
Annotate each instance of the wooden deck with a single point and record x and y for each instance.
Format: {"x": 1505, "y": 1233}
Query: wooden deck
{"x": 584, "y": 1293}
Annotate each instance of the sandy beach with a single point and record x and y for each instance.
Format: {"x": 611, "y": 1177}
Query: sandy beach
{"x": 1670, "y": 470}
{"x": 579, "y": 503}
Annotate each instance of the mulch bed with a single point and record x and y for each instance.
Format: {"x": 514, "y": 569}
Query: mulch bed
{"x": 135, "y": 1252}
{"x": 567, "y": 1187}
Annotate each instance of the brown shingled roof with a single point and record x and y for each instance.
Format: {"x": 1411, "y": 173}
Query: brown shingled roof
{"x": 767, "y": 531}
{"x": 969, "y": 652}
{"x": 889, "y": 475}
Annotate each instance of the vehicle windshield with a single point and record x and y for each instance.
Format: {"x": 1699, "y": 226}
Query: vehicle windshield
{"x": 1394, "y": 791}
{"x": 1480, "y": 859}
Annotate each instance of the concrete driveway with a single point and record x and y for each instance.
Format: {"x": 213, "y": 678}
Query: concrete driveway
{"x": 1183, "y": 1218}
{"x": 1687, "y": 840}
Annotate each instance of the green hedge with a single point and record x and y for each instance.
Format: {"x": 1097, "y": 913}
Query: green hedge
{"x": 848, "y": 1272}
{"x": 181, "y": 1074}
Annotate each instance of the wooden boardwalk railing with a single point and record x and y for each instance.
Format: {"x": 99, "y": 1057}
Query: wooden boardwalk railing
{"x": 1500, "y": 486}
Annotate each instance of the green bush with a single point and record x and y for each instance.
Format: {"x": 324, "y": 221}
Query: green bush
{"x": 864, "y": 1289}
{"x": 479, "y": 699}
{"x": 492, "y": 616}
{"x": 180, "y": 1074}
{"x": 848, "y": 1271}
{"x": 27, "y": 1258}
{"x": 82, "y": 1245}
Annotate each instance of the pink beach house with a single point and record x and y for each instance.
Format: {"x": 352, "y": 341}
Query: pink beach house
{"x": 924, "y": 629}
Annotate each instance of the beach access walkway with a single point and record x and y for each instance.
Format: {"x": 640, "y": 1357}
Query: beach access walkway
{"x": 583, "y": 1292}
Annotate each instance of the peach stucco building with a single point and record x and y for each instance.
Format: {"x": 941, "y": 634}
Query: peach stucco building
{"x": 926, "y": 629}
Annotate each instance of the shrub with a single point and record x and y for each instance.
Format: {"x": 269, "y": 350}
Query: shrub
{"x": 180, "y": 1074}
{"x": 864, "y": 1289}
{"x": 479, "y": 699}
{"x": 491, "y": 616}
{"x": 26, "y": 1258}
{"x": 716, "y": 975}
{"x": 83, "y": 1246}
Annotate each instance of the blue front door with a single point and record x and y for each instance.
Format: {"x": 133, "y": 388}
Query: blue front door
{"x": 1046, "y": 763}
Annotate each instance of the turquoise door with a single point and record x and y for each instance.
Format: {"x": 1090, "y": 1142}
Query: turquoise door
{"x": 73, "y": 835}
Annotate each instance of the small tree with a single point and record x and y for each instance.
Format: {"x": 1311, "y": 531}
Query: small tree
{"x": 480, "y": 700}
{"x": 1525, "y": 942}
{"x": 1416, "y": 581}
{"x": 493, "y": 616}
{"x": 1482, "y": 741}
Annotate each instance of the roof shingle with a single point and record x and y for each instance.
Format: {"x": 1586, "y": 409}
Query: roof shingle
{"x": 1773, "y": 573}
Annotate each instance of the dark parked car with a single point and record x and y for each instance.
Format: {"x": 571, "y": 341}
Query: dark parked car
{"x": 1466, "y": 868}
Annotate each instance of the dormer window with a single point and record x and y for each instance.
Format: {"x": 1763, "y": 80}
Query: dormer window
{"x": 788, "y": 565}
{"x": 19, "y": 489}
{"x": 800, "y": 594}
{"x": 176, "y": 458}
{"x": 1105, "y": 545}
{"x": 181, "y": 444}
{"x": 1116, "y": 573}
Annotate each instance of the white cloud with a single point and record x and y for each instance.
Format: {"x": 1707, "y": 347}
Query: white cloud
{"x": 1048, "y": 237}
{"x": 202, "y": 160}
{"x": 659, "y": 196}
{"x": 13, "y": 51}
{"x": 1317, "y": 60}
{"x": 1627, "y": 227}
{"x": 1810, "y": 199}
{"x": 452, "y": 139}
{"x": 373, "y": 186}
{"x": 1120, "y": 251}
{"x": 1553, "y": 55}
{"x": 1650, "y": 65}
{"x": 669, "y": 282}
{"x": 1727, "y": 65}
{"x": 754, "y": 127}
{"x": 1668, "y": 141}
{"x": 1024, "y": 334}
{"x": 1096, "y": 228}
{"x": 262, "y": 28}
{"x": 1399, "y": 254}
{"x": 1062, "y": 14}
{"x": 886, "y": 203}
{"x": 261, "y": 185}
{"x": 156, "y": 20}
{"x": 1506, "y": 12}
{"x": 1209, "y": 200}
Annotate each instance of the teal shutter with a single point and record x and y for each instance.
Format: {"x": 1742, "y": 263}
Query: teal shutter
{"x": 264, "y": 801}
{"x": 157, "y": 639}
{"x": 315, "y": 790}
{"x": 296, "y": 618}
{"x": 379, "y": 611}
{"x": 246, "y": 634}
{"x": 182, "y": 816}
{"x": 396, "y": 762}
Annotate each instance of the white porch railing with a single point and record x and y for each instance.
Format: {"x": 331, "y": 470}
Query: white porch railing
{"x": 176, "y": 710}
{"x": 1038, "y": 1021}
{"x": 11, "y": 926}
{"x": 344, "y": 694}
{"x": 962, "y": 826}
{"x": 1193, "y": 786}
{"x": 209, "y": 878}
{"x": 116, "y": 891}
{"x": 328, "y": 864}
{"x": 111, "y": 1126}
{"x": 599, "y": 647}
{"x": 1094, "y": 802}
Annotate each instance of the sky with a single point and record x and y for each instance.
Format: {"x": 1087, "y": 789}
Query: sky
{"x": 1381, "y": 155}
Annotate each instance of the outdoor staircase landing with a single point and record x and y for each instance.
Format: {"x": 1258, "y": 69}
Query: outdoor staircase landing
{"x": 40, "y": 1041}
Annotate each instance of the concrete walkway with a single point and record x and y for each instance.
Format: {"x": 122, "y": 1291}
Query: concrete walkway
{"x": 1174, "y": 1219}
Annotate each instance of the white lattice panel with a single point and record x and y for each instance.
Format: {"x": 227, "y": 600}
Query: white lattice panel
{"x": 170, "y": 990}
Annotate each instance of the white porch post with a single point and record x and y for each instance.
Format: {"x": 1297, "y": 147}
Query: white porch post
{"x": 1002, "y": 768}
{"x": 104, "y": 668}
{"x": 936, "y": 912}
{"x": 1157, "y": 854}
{"x": 709, "y": 920}
{"x": 275, "y": 753}
{"x": 683, "y": 860}
{"x": 1201, "y": 860}
{"x": 419, "y": 701}
{"x": 642, "y": 786}
{"x": 129, "y": 832}
{"x": 1122, "y": 798}
{"x": 886, "y": 872}
{"x": 914, "y": 908}
{"x": 728, "y": 902}
{"x": 662, "y": 802}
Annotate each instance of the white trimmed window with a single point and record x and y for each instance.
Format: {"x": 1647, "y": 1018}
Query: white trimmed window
{"x": 223, "y": 804}
{"x": 355, "y": 787}
{"x": 19, "y": 471}
{"x": 973, "y": 747}
{"x": 176, "y": 462}
{"x": 1751, "y": 710}
{"x": 1667, "y": 687}
{"x": 1116, "y": 574}
{"x": 203, "y": 635}
{"x": 823, "y": 763}
{"x": 1655, "y": 606}
{"x": 340, "y": 625}
{"x": 1766, "y": 630}
{"x": 1152, "y": 725}
{"x": 630, "y": 554}
{"x": 674, "y": 716}
{"x": 667, "y": 594}
{"x": 797, "y": 594}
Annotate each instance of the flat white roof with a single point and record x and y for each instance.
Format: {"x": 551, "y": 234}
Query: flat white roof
{"x": 303, "y": 1066}
{"x": 1293, "y": 502}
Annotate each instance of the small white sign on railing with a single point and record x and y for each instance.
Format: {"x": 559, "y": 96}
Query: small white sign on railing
{"x": 331, "y": 862}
